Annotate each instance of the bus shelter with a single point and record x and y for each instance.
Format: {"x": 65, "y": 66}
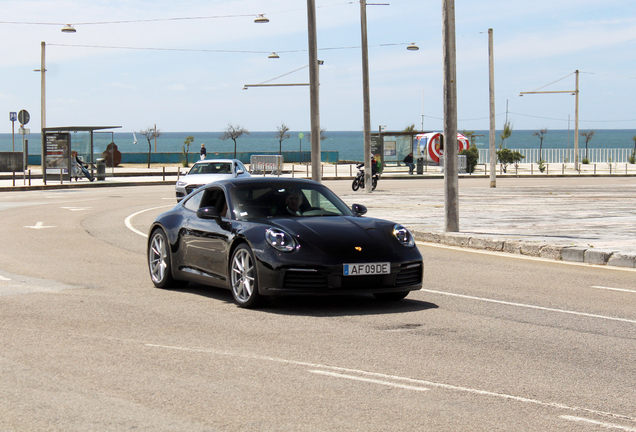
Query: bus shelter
{"x": 59, "y": 142}
{"x": 392, "y": 147}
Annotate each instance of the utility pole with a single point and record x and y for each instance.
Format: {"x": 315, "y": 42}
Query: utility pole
{"x": 451, "y": 179}
{"x": 492, "y": 138}
{"x": 316, "y": 172}
{"x": 43, "y": 110}
{"x": 368, "y": 187}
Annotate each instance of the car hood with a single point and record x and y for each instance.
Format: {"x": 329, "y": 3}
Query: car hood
{"x": 205, "y": 178}
{"x": 342, "y": 236}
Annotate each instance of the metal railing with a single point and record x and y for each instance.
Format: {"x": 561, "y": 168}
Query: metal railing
{"x": 607, "y": 155}
{"x": 261, "y": 164}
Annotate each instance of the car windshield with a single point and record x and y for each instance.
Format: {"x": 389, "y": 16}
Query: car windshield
{"x": 293, "y": 200}
{"x": 211, "y": 168}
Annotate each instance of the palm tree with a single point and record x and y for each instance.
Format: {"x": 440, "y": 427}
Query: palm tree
{"x": 588, "y": 136}
{"x": 281, "y": 135}
{"x": 505, "y": 134}
{"x": 541, "y": 135}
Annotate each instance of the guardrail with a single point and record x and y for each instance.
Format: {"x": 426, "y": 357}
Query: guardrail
{"x": 260, "y": 164}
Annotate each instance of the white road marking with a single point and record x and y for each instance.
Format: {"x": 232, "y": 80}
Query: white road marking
{"x": 4, "y": 278}
{"x": 403, "y": 379}
{"x": 564, "y": 311}
{"x": 369, "y": 380}
{"x": 598, "y": 423}
{"x": 128, "y": 220}
{"x": 614, "y": 289}
{"x": 39, "y": 225}
{"x": 77, "y": 208}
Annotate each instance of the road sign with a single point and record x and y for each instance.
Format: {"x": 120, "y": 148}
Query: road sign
{"x": 24, "y": 117}
{"x": 13, "y": 116}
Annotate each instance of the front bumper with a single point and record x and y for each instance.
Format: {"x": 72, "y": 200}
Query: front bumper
{"x": 330, "y": 280}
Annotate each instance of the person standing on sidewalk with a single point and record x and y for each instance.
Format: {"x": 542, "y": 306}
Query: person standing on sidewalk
{"x": 203, "y": 152}
{"x": 408, "y": 161}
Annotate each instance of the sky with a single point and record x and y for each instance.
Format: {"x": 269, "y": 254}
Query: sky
{"x": 182, "y": 65}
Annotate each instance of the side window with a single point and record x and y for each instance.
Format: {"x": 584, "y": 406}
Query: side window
{"x": 194, "y": 202}
{"x": 214, "y": 197}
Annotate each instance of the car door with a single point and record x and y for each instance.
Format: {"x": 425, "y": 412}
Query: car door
{"x": 205, "y": 240}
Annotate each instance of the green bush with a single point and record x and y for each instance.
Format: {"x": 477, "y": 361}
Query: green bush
{"x": 632, "y": 159}
{"x": 472, "y": 157}
{"x": 585, "y": 161}
{"x": 507, "y": 157}
{"x": 541, "y": 164}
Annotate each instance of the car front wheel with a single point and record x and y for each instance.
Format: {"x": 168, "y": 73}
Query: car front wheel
{"x": 244, "y": 279}
{"x": 159, "y": 261}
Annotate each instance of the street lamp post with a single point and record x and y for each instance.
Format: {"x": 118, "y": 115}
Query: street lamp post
{"x": 493, "y": 151}
{"x": 316, "y": 172}
{"x": 451, "y": 177}
{"x": 42, "y": 71}
{"x": 368, "y": 187}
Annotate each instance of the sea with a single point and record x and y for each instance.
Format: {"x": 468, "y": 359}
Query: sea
{"x": 348, "y": 144}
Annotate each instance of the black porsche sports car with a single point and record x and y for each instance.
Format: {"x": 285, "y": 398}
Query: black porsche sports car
{"x": 263, "y": 237}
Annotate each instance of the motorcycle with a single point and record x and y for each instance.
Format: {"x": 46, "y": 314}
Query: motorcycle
{"x": 358, "y": 182}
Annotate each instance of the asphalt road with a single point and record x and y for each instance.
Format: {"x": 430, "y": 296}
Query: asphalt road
{"x": 493, "y": 342}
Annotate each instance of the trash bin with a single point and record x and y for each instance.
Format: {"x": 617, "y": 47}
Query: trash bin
{"x": 420, "y": 166}
{"x": 101, "y": 170}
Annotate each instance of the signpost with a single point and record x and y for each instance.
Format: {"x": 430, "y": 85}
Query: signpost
{"x": 23, "y": 118}
{"x": 13, "y": 116}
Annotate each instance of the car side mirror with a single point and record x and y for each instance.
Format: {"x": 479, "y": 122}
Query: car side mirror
{"x": 209, "y": 213}
{"x": 359, "y": 209}
{"x": 239, "y": 172}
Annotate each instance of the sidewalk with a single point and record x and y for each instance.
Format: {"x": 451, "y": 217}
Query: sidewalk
{"x": 564, "y": 215}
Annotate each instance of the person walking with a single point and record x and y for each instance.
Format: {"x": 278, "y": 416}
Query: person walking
{"x": 408, "y": 161}
{"x": 203, "y": 152}
{"x": 77, "y": 167}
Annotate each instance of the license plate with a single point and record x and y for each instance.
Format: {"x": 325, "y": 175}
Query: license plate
{"x": 366, "y": 269}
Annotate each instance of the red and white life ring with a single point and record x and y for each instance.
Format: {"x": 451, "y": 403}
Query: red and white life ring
{"x": 430, "y": 144}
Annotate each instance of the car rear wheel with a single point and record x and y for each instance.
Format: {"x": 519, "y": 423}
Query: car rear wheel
{"x": 393, "y": 296}
{"x": 244, "y": 278}
{"x": 159, "y": 261}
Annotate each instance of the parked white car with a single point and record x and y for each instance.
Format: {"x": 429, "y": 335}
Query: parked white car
{"x": 208, "y": 171}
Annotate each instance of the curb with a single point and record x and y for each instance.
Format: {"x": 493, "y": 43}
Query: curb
{"x": 541, "y": 250}
{"x": 96, "y": 184}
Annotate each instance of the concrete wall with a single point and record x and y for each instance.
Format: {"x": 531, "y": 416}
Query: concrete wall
{"x": 11, "y": 161}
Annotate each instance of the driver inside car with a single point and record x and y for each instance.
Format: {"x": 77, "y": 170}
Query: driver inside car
{"x": 294, "y": 200}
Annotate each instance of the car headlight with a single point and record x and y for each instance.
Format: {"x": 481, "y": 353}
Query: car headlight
{"x": 280, "y": 240}
{"x": 181, "y": 183}
{"x": 403, "y": 235}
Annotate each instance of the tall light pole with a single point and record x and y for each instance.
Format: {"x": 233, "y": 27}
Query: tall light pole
{"x": 574, "y": 92}
{"x": 368, "y": 187}
{"x": 451, "y": 177}
{"x": 316, "y": 172}
{"x": 491, "y": 135}
{"x": 42, "y": 71}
